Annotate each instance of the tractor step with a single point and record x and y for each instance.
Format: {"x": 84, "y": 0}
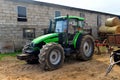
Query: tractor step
{"x": 68, "y": 51}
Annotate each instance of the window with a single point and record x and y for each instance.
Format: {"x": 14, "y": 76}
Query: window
{"x": 73, "y": 23}
{"x": 81, "y": 24}
{"x": 61, "y": 26}
{"x": 98, "y": 20}
{"x": 22, "y": 14}
{"x": 28, "y": 33}
{"x": 57, "y": 13}
{"x": 82, "y": 15}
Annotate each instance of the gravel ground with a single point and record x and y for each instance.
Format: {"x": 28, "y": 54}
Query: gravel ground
{"x": 13, "y": 69}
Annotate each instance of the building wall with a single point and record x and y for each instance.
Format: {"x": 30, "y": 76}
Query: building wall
{"x": 38, "y": 15}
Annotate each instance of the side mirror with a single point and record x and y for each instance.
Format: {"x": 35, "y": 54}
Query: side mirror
{"x": 50, "y": 27}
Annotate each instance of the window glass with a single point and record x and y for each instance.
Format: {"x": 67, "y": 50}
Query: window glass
{"x": 81, "y": 24}
{"x": 98, "y": 20}
{"x": 29, "y": 33}
{"x": 82, "y": 15}
{"x": 73, "y": 24}
{"x": 61, "y": 26}
{"x": 57, "y": 13}
{"x": 22, "y": 13}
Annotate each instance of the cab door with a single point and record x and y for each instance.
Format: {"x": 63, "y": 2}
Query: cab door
{"x": 72, "y": 29}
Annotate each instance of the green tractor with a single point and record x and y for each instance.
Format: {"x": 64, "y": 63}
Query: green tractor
{"x": 65, "y": 37}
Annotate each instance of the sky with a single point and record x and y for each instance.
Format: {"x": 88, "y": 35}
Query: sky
{"x": 108, "y": 6}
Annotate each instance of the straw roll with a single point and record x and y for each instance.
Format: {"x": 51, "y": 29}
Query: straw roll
{"x": 113, "y": 30}
{"x": 110, "y": 22}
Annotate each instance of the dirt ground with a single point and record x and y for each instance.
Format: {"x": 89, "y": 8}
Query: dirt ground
{"x": 13, "y": 69}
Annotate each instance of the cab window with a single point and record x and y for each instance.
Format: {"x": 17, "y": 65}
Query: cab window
{"x": 61, "y": 26}
{"x": 73, "y": 23}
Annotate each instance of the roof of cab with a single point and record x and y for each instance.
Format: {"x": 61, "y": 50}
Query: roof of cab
{"x": 70, "y": 17}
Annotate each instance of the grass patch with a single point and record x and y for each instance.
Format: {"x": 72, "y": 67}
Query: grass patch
{"x": 9, "y": 54}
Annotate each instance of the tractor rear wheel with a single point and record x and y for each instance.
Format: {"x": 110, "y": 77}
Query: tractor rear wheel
{"x": 51, "y": 56}
{"x": 86, "y": 48}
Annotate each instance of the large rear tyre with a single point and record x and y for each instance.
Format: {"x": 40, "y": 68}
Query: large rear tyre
{"x": 86, "y": 48}
{"x": 51, "y": 56}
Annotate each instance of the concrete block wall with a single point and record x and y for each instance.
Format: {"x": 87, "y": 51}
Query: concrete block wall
{"x": 38, "y": 16}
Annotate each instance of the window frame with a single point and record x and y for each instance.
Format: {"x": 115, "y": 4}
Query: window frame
{"x": 57, "y": 13}
{"x": 99, "y": 20}
{"x": 26, "y": 34}
{"x": 23, "y": 17}
{"x": 82, "y": 14}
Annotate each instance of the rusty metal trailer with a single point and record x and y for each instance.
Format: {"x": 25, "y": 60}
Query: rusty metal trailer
{"x": 114, "y": 40}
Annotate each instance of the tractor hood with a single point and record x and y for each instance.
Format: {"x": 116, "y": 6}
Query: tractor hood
{"x": 53, "y": 37}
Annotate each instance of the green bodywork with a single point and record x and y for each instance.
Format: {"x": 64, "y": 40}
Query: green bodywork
{"x": 74, "y": 42}
{"x": 53, "y": 37}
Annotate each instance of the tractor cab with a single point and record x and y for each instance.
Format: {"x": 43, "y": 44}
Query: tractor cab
{"x": 68, "y": 24}
{"x": 68, "y": 27}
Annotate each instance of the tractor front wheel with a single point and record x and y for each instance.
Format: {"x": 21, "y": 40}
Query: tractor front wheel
{"x": 86, "y": 48}
{"x": 51, "y": 56}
